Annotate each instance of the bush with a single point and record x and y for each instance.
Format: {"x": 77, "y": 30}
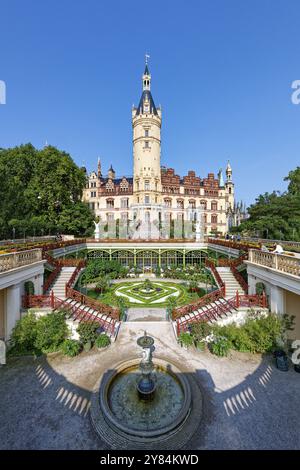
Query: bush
{"x": 220, "y": 346}
{"x": 102, "y": 341}
{"x": 185, "y": 339}
{"x": 258, "y": 334}
{"x": 23, "y": 335}
{"x": 87, "y": 331}
{"x": 263, "y": 332}
{"x": 71, "y": 347}
{"x": 200, "y": 330}
{"x": 87, "y": 346}
{"x": 51, "y": 331}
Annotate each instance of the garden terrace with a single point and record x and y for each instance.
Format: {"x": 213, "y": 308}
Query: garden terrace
{"x": 284, "y": 263}
{"x": 19, "y": 259}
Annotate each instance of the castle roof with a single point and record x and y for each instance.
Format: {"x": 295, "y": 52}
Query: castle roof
{"x": 146, "y": 96}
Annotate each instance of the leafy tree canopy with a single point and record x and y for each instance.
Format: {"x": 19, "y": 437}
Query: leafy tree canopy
{"x": 40, "y": 193}
{"x": 276, "y": 215}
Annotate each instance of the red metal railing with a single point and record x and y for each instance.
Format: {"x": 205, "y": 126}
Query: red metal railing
{"x": 206, "y": 299}
{"x": 79, "y": 313}
{"x": 216, "y": 310}
{"x": 74, "y": 294}
{"x": 233, "y": 244}
{"x": 62, "y": 262}
{"x": 40, "y": 301}
{"x": 52, "y": 277}
{"x": 232, "y": 262}
{"x": 239, "y": 279}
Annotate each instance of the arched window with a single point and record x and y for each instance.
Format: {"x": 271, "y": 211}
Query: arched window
{"x": 203, "y": 205}
{"x": 214, "y": 206}
{"x": 110, "y": 203}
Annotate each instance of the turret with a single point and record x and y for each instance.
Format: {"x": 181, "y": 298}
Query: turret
{"x": 111, "y": 173}
{"x": 146, "y": 125}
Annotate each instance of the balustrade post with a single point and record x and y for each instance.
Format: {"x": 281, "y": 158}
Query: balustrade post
{"x": 52, "y": 299}
{"x": 237, "y": 299}
{"x": 177, "y": 327}
{"x": 264, "y": 300}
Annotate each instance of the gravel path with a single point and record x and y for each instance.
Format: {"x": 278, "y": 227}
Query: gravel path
{"x": 248, "y": 403}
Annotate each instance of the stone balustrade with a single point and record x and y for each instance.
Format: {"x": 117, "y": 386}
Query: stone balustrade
{"x": 284, "y": 263}
{"x": 18, "y": 259}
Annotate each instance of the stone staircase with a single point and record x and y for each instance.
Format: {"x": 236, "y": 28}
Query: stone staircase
{"x": 231, "y": 284}
{"x": 59, "y": 285}
{"x": 212, "y": 312}
{"x": 78, "y": 312}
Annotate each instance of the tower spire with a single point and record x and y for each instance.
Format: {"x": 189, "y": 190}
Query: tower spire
{"x": 146, "y": 76}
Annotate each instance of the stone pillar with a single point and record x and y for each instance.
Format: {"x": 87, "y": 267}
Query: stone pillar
{"x": 251, "y": 283}
{"x": 277, "y": 299}
{"x": 38, "y": 284}
{"x": 13, "y": 307}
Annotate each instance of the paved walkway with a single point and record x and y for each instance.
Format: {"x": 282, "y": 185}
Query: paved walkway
{"x": 146, "y": 314}
{"x": 248, "y": 404}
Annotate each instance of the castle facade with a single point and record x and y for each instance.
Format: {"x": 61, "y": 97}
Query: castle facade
{"x": 155, "y": 194}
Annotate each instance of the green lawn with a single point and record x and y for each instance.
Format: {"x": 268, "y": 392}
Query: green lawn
{"x": 136, "y": 296}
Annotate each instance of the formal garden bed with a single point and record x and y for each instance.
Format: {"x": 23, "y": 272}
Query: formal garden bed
{"x": 145, "y": 293}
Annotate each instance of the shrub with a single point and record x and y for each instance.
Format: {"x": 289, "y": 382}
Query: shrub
{"x": 51, "y": 331}
{"x": 220, "y": 346}
{"x": 87, "y": 346}
{"x": 102, "y": 341}
{"x": 242, "y": 342}
{"x": 200, "y": 330}
{"x": 71, "y": 347}
{"x": 185, "y": 339}
{"x": 264, "y": 332}
{"x": 23, "y": 335}
{"x": 258, "y": 334}
{"x": 87, "y": 331}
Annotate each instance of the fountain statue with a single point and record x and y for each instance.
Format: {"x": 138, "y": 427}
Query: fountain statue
{"x": 146, "y": 384}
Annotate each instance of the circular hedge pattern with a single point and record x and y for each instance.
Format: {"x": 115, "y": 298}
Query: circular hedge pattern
{"x": 158, "y": 294}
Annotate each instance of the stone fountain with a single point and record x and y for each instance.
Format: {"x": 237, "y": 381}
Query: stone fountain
{"x": 145, "y": 404}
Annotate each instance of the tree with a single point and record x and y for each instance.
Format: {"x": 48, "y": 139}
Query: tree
{"x": 276, "y": 215}
{"x": 40, "y": 192}
{"x": 103, "y": 284}
{"x": 294, "y": 181}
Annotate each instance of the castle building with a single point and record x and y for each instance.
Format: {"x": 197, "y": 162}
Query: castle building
{"x": 156, "y": 193}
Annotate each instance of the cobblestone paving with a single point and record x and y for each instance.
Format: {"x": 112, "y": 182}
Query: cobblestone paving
{"x": 248, "y": 403}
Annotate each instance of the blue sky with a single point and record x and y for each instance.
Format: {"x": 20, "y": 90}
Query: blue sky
{"x": 221, "y": 69}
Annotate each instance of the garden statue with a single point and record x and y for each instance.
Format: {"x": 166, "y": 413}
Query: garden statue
{"x": 97, "y": 230}
{"x": 198, "y": 231}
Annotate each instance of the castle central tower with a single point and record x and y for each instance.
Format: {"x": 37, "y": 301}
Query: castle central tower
{"x": 146, "y": 125}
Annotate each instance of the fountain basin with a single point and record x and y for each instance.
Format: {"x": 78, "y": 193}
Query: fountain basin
{"x": 126, "y": 412}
